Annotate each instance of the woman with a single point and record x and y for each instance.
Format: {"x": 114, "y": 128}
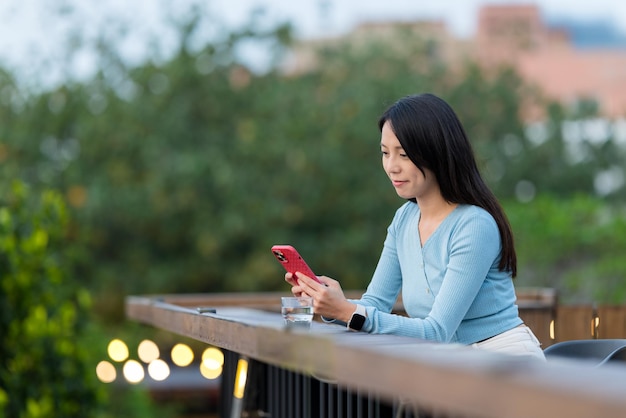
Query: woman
{"x": 449, "y": 249}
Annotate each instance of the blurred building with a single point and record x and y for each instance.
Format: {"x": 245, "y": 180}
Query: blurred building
{"x": 547, "y": 58}
{"x": 514, "y": 35}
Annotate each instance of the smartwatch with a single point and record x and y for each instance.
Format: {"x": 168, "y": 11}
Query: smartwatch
{"x": 357, "y": 320}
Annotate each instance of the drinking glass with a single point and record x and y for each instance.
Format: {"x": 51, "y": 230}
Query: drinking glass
{"x": 297, "y": 311}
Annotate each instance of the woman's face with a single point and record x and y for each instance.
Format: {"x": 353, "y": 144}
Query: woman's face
{"x": 406, "y": 178}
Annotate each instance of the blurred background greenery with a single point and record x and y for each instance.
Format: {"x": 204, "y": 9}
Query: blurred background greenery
{"x": 178, "y": 174}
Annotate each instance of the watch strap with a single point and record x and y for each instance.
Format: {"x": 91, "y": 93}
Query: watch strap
{"x": 357, "y": 320}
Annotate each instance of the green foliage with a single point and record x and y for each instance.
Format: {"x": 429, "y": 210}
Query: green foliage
{"x": 45, "y": 368}
{"x": 49, "y": 341}
{"x": 574, "y": 244}
{"x": 181, "y": 175}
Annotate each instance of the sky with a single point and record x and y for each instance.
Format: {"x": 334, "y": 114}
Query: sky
{"x": 459, "y": 15}
{"x": 31, "y": 31}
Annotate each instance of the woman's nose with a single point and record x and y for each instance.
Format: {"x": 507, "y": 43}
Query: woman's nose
{"x": 391, "y": 165}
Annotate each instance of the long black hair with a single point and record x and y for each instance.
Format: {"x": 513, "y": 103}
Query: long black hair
{"x": 433, "y": 138}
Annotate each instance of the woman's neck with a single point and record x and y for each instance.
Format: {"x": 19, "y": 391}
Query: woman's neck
{"x": 432, "y": 214}
{"x": 434, "y": 208}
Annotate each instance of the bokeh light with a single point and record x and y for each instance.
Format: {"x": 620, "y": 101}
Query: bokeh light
{"x": 133, "y": 371}
{"x": 148, "y": 351}
{"x": 118, "y": 350}
{"x": 213, "y": 358}
{"x": 158, "y": 370}
{"x": 106, "y": 372}
{"x": 210, "y": 373}
{"x": 241, "y": 378}
{"x": 182, "y": 355}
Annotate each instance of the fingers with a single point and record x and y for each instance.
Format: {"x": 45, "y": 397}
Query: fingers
{"x": 317, "y": 288}
{"x": 327, "y": 281}
{"x": 326, "y": 294}
{"x": 304, "y": 280}
{"x": 291, "y": 279}
{"x": 296, "y": 290}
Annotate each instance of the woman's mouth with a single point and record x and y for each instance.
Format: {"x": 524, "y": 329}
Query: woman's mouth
{"x": 397, "y": 183}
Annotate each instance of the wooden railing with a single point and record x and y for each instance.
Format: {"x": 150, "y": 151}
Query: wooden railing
{"x": 448, "y": 379}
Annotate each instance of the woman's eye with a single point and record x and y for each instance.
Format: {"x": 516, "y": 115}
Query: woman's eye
{"x": 384, "y": 152}
{"x": 403, "y": 155}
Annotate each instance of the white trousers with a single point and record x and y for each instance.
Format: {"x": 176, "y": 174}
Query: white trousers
{"x": 519, "y": 341}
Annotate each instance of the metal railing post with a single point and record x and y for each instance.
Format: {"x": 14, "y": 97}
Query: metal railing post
{"x": 239, "y": 388}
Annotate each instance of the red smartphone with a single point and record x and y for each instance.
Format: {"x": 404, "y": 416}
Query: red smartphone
{"x": 292, "y": 261}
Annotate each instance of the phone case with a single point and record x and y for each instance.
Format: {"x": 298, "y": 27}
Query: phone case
{"x": 292, "y": 261}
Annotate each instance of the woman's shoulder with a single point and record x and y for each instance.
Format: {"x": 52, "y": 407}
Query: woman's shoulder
{"x": 472, "y": 210}
{"x": 475, "y": 216}
{"x": 404, "y": 213}
{"x": 409, "y": 208}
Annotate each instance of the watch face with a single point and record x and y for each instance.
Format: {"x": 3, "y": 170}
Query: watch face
{"x": 357, "y": 321}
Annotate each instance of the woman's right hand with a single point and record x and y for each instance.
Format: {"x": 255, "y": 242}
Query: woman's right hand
{"x": 328, "y": 297}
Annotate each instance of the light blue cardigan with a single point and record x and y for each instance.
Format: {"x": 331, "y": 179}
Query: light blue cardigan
{"x": 451, "y": 287}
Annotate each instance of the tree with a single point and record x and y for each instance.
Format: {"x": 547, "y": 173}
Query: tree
{"x": 45, "y": 367}
{"x": 181, "y": 174}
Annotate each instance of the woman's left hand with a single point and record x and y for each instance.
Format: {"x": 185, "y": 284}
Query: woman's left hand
{"x": 328, "y": 297}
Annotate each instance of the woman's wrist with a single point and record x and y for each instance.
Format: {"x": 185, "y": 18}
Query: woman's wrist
{"x": 347, "y": 311}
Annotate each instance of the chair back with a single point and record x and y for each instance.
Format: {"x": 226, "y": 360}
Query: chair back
{"x": 615, "y": 356}
{"x": 598, "y": 351}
